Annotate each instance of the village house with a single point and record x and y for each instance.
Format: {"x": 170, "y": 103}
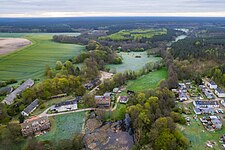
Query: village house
{"x": 219, "y": 92}
{"x": 211, "y": 122}
{"x": 116, "y": 90}
{"x": 182, "y": 97}
{"x": 123, "y": 99}
{"x": 30, "y": 108}
{"x": 206, "y": 104}
{"x": 92, "y": 84}
{"x": 35, "y": 126}
{"x": 66, "y": 106}
{"x": 103, "y": 101}
{"x": 212, "y": 85}
{"x": 199, "y": 111}
{"x": 10, "y": 98}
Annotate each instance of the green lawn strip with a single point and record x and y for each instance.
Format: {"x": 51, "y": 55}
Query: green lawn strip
{"x": 149, "y": 81}
{"x": 30, "y": 62}
{"x": 64, "y": 127}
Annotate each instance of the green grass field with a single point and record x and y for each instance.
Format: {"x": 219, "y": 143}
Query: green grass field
{"x": 124, "y": 35}
{"x": 132, "y": 63}
{"x": 64, "y": 127}
{"x": 149, "y": 81}
{"x": 30, "y": 62}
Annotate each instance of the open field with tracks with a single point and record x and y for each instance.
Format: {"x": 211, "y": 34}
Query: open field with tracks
{"x": 30, "y": 61}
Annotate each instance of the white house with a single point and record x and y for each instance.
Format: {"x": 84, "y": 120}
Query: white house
{"x": 219, "y": 92}
{"x": 65, "y": 106}
{"x": 212, "y": 85}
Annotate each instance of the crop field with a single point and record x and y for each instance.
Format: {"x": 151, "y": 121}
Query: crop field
{"x": 130, "y": 62}
{"x": 149, "y": 81}
{"x": 30, "y": 61}
{"x": 136, "y": 34}
{"x": 64, "y": 127}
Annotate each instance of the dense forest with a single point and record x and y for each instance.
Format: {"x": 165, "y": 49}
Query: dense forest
{"x": 133, "y": 40}
{"x": 208, "y": 48}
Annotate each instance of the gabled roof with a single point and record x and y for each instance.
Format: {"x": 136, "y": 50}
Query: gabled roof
{"x": 206, "y": 103}
{"x": 212, "y": 82}
{"x": 66, "y": 103}
{"x": 31, "y": 107}
{"x": 220, "y": 91}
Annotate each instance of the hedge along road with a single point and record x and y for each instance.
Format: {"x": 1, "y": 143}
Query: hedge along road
{"x": 30, "y": 62}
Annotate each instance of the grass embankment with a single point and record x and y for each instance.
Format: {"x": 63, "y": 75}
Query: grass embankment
{"x": 64, "y": 127}
{"x": 30, "y": 61}
{"x": 130, "y": 62}
{"x": 148, "y": 81}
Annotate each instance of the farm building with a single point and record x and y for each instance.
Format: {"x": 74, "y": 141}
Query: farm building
{"x": 58, "y": 96}
{"x": 219, "y": 92}
{"x": 206, "y": 104}
{"x": 10, "y": 98}
{"x": 103, "y": 101}
{"x": 66, "y": 106}
{"x": 35, "y": 126}
{"x": 212, "y": 85}
{"x": 30, "y": 108}
{"x": 123, "y": 99}
{"x": 5, "y": 90}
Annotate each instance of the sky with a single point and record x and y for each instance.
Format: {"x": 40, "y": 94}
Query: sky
{"x": 86, "y": 8}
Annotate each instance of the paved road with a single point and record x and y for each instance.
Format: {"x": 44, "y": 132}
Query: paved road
{"x": 78, "y": 110}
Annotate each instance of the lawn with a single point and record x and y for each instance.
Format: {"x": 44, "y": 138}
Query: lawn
{"x": 132, "y": 63}
{"x": 124, "y": 35}
{"x": 149, "y": 81}
{"x": 64, "y": 127}
{"x": 30, "y": 62}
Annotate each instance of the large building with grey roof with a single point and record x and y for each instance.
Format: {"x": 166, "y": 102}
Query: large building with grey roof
{"x": 11, "y": 97}
{"x": 30, "y": 108}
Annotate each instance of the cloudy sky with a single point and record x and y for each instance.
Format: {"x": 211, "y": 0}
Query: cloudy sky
{"x": 80, "y": 8}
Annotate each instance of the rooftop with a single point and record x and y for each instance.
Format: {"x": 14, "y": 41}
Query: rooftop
{"x": 206, "y": 103}
{"x": 30, "y": 107}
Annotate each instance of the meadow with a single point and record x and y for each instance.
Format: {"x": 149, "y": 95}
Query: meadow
{"x": 30, "y": 61}
{"x": 148, "y": 81}
{"x": 132, "y": 63}
{"x": 64, "y": 127}
{"x": 136, "y": 34}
